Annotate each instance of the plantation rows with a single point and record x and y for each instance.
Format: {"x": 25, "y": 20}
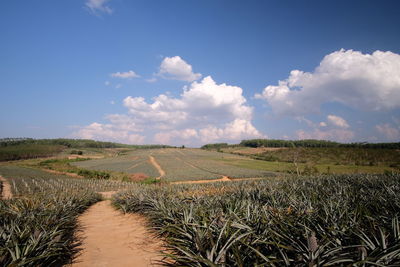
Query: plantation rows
{"x": 37, "y": 225}
{"x": 178, "y": 169}
{"x": 309, "y": 221}
{"x": 213, "y": 162}
{"x": 137, "y": 162}
{"x": 178, "y": 164}
{"x": 314, "y": 221}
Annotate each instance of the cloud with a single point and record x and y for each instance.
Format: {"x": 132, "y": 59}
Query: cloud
{"x": 184, "y": 136}
{"x": 203, "y": 102}
{"x": 97, "y": 6}
{"x": 175, "y": 68}
{"x": 326, "y": 130}
{"x": 235, "y": 130}
{"x": 204, "y": 112}
{"x": 360, "y": 81}
{"x": 125, "y": 75}
{"x": 389, "y": 132}
{"x": 109, "y": 132}
{"x": 338, "y": 121}
{"x": 341, "y": 135}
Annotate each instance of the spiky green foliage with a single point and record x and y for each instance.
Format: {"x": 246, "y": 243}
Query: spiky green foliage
{"x": 37, "y": 225}
{"x": 308, "y": 221}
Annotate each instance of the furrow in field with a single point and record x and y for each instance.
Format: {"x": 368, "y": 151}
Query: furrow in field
{"x": 199, "y": 168}
{"x": 135, "y": 165}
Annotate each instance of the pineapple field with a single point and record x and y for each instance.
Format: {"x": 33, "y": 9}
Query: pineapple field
{"x": 347, "y": 220}
{"x": 274, "y": 220}
{"x": 37, "y": 225}
{"x": 178, "y": 164}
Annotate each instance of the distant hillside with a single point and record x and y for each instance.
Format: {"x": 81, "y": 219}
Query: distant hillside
{"x": 25, "y": 148}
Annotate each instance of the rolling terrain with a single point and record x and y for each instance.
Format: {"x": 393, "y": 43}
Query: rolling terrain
{"x": 234, "y": 206}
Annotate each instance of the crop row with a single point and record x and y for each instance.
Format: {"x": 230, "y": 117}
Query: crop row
{"x": 137, "y": 162}
{"x": 37, "y": 225}
{"x": 188, "y": 164}
{"x": 178, "y": 169}
{"x": 306, "y": 221}
{"x": 216, "y": 163}
{"x": 178, "y": 164}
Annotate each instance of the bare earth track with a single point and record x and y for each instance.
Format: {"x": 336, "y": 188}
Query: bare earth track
{"x": 62, "y": 173}
{"x": 157, "y": 166}
{"x": 111, "y": 238}
{"x": 223, "y": 179}
{"x": 6, "y": 189}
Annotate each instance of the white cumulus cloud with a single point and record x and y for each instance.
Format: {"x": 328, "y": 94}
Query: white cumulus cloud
{"x": 361, "y": 81}
{"x": 125, "y": 75}
{"x": 204, "y": 102}
{"x": 109, "y": 132}
{"x": 96, "y": 6}
{"x": 204, "y": 112}
{"x": 338, "y": 121}
{"x": 336, "y": 128}
{"x": 176, "y": 68}
{"x": 341, "y": 135}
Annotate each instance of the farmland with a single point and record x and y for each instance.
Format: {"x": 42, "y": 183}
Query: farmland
{"x": 314, "y": 160}
{"x": 291, "y": 221}
{"x": 179, "y": 164}
{"x": 276, "y": 222}
{"x": 37, "y": 226}
{"x": 241, "y": 162}
{"x": 283, "y": 219}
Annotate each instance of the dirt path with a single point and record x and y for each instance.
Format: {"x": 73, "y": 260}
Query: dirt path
{"x": 157, "y": 166}
{"x": 62, "y": 173}
{"x": 223, "y": 179}
{"x": 111, "y": 238}
{"x": 6, "y": 189}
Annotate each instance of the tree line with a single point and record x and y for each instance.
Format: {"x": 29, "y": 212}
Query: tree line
{"x": 302, "y": 143}
{"x": 71, "y": 143}
{"x": 26, "y": 148}
{"x": 314, "y": 143}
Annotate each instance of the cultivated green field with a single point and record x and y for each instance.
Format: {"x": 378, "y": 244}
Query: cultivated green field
{"x": 319, "y": 160}
{"x": 37, "y": 225}
{"x": 180, "y": 164}
{"x": 347, "y": 220}
{"x": 282, "y": 220}
{"x": 328, "y": 220}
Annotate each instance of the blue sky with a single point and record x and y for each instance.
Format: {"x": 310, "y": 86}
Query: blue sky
{"x": 195, "y": 72}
